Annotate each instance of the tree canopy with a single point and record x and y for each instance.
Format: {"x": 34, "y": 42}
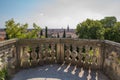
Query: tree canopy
{"x": 107, "y": 28}
{"x": 90, "y": 29}
{"x": 108, "y": 22}
{"x": 17, "y": 30}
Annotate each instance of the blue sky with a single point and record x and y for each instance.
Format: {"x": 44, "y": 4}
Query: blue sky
{"x": 16, "y": 7}
{"x": 56, "y": 13}
{"x": 19, "y": 9}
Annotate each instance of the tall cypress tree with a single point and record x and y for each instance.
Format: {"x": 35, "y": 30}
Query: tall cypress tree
{"x": 46, "y": 30}
{"x": 41, "y": 32}
{"x": 58, "y": 35}
{"x": 64, "y": 34}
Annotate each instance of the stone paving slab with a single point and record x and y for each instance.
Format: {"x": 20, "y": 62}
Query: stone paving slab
{"x": 58, "y": 72}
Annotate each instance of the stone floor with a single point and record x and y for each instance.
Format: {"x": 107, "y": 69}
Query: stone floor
{"x": 59, "y": 72}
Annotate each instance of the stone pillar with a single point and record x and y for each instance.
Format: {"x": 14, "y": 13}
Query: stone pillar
{"x": 40, "y": 54}
{"x": 62, "y": 53}
{"x": 34, "y": 56}
{"x": 53, "y": 52}
{"x": 18, "y": 56}
{"x": 99, "y": 57}
{"x": 58, "y": 52}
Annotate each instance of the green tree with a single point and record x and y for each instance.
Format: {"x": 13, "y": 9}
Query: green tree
{"x": 113, "y": 33}
{"x": 34, "y": 33}
{"x": 111, "y": 28}
{"x": 41, "y": 32}
{"x": 17, "y": 30}
{"x": 116, "y": 32}
{"x": 108, "y": 22}
{"x": 46, "y": 32}
{"x": 107, "y": 28}
{"x": 108, "y": 33}
{"x": 90, "y": 29}
{"x": 64, "y": 34}
{"x": 6, "y": 35}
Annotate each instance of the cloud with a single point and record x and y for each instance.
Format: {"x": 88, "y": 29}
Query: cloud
{"x": 60, "y": 13}
{"x": 41, "y": 14}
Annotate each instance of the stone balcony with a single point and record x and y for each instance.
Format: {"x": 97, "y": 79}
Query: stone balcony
{"x": 60, "y": 59}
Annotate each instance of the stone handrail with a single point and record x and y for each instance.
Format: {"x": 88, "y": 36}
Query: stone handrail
{"x": 7, "y": 42}
{"x": 95, "y": 54}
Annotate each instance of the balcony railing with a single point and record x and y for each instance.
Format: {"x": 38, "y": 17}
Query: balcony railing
{"x": 103, "y": 55}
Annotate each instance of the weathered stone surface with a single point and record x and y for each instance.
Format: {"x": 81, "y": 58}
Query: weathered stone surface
{"x": 59, "y": 72}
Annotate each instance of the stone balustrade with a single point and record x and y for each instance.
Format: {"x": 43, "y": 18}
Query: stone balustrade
{"x": 95, "y": 54}
{"x": 111, "y": 58}
{"x": 8, "y": 55}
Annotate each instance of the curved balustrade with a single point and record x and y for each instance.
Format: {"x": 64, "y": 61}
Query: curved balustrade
{"x": 112, "y": 59}
{"x": 8, "y": 55}
{"x": 95, "y": 54}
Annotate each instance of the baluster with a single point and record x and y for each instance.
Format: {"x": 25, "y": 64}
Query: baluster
{"x": 90, "y": 53}
{"x": 46, "y": 53}
{"x": 107, "y": 61}
{"x": 87, "y": 56}
{"x": 74, "y": 55}
{"x": 25, "y": 57}
{"x": 11, "y": 61}
{"x": 94, "y": 58}
{"x": 5, "y": 57}
{"x": 14, "y": 56}
{"x": 80, "y": 56}
{"x": 68, "y": 54}
{"x": 99, "y": 56}
{"x": 34, "y": 56}
{"x": 53, "y": 53}
{"x": 41, "y": 61}
{"x": 1, "y": 60}
{"x": 118, "y": 64}
{"x": 13, "y": 52}
{"x": 33, "y": 53}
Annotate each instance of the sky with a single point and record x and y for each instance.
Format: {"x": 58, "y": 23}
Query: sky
{"x": 57, "y": 13}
